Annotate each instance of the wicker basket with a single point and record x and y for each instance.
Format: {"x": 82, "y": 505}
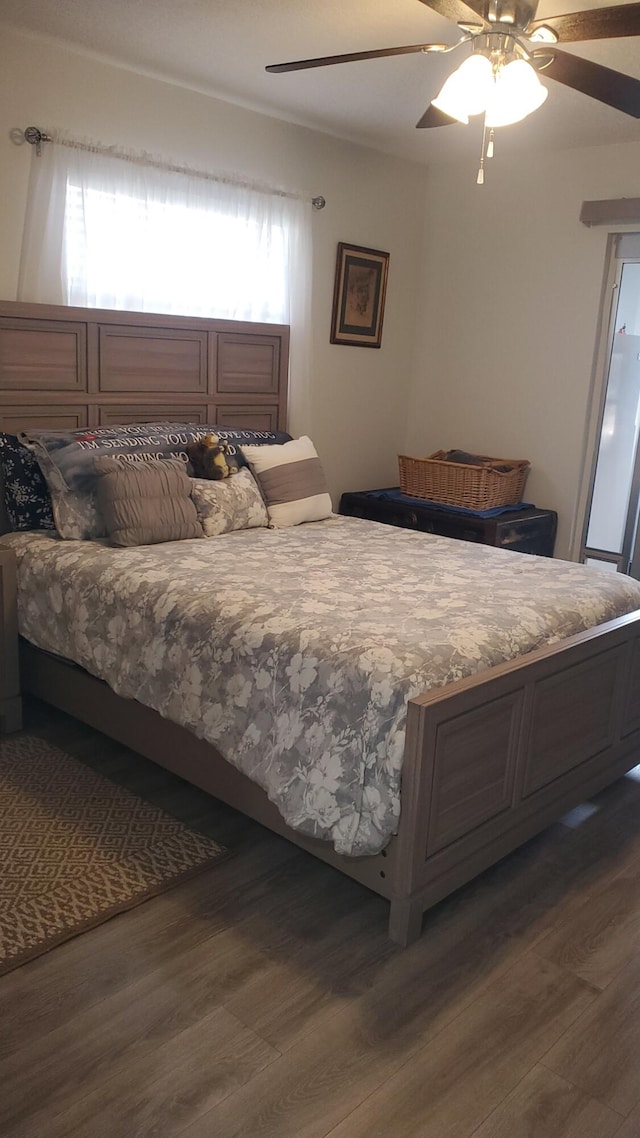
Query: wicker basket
{"x": 458, "y": 484}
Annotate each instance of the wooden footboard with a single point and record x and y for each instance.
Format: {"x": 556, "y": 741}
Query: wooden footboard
{"x": 493, "y": 759}
{"x": 489, "y": 761}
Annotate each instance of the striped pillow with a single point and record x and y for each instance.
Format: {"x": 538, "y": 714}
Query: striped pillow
{"x": 291, "y": 480}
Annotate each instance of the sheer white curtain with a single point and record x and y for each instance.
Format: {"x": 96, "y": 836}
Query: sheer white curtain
{"x": 106, "y": 232}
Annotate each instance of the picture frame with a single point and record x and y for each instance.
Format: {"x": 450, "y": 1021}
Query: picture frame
{"x": 359, "y": 296}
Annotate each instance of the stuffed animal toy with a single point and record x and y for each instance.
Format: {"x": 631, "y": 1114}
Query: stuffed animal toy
{"x": 208, "y": 457}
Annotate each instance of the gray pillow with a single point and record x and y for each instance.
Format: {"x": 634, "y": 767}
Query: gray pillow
{"x": 143, "y": 503}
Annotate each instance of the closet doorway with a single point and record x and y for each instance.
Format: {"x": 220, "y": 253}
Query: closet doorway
{"x": 611, "y": 537}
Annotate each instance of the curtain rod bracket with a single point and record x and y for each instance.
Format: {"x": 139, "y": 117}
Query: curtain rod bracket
{"x": 318, "y": 202}
{"x": 35, "y": 137}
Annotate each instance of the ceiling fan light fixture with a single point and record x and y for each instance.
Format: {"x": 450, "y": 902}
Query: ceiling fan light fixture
{"x": 516, "y": 93}
{"x": 467, "y": 90}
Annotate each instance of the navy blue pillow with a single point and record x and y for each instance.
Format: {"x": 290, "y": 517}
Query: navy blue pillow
{"x": 26, "y": 496}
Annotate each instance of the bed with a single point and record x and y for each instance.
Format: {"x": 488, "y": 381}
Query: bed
{"x": 484, "y": 756}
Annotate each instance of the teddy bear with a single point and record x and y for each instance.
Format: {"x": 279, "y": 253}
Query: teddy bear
{"x": 208, "y": 457}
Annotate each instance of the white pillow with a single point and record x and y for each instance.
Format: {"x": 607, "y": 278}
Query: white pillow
{"x": 230, "y": 504}
{"x": 291, "y": 481}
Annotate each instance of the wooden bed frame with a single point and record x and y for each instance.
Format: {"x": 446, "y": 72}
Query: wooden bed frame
{"x": 489, "y": 761}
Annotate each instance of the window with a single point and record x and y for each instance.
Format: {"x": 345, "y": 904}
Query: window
{"x": 117, "y": 232}
{"x": 108, "y": 231}
{"x": 124, "y": 251}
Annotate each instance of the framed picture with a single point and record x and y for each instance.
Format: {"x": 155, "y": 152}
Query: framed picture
{"x": 359, "y": 295}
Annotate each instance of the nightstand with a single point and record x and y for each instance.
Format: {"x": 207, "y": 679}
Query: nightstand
{"x": 529, "y": 530}
{"x": 10, "y": 702}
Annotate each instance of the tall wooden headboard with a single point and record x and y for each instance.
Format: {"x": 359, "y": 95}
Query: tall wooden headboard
{"x": 85, "y": 367}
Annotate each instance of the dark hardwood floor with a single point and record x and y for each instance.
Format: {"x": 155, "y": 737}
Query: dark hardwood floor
{"x": 262, "y": 999}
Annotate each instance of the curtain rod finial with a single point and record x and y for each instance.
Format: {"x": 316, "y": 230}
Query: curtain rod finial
{"x": 318, "y": 202}
{"x": 35, "y": 137}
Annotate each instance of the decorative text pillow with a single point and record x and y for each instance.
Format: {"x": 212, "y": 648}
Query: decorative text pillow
{"x": 67, "y": 461}
{"x": 231, "y": 504}
{"x": 291, "y": 480}
{"x": 145, "y": 503}
{"x": 26, "y": 496}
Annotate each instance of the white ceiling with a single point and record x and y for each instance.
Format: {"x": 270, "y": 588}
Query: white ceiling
{"x": 221, "y": 47}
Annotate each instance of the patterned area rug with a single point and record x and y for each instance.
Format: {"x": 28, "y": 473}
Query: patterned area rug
{"x": 75, "y": 849}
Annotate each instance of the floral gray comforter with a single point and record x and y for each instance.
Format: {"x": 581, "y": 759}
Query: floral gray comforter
{"x": 294, "y": 651}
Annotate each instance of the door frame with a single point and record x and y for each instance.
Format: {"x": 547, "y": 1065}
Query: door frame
{"x": 579, "y": 551}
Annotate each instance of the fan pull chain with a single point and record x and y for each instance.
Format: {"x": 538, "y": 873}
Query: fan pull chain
{"x": 486, "y": 152}
{"x": 480, "y": 178}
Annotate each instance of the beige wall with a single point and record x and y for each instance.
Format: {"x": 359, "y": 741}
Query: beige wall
{"x": 510, "y": 306}
{"x": 358, "y": 395}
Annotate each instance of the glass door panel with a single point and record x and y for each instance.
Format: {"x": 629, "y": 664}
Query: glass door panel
{"x": 615, "y": 496}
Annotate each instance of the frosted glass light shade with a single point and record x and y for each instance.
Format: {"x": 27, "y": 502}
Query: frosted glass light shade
{"x": 467, "y": 90}
{"x": 517, "y": 92}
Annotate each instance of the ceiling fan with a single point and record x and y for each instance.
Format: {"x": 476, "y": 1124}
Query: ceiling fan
{"x": 509, "y": 47}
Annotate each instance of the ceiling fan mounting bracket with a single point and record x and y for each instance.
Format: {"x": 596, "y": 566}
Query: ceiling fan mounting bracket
{"x": 542, "y": 60}
{"x": 515, "y": 13}
{"x": 544, "y": 34}
{"x": 443, "y": 48}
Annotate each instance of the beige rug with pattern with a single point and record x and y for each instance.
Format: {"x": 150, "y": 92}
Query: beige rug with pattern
{"x": 75, "y": 849}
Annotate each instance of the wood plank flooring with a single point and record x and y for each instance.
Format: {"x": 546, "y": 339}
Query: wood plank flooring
{"x": 263, "y": 999}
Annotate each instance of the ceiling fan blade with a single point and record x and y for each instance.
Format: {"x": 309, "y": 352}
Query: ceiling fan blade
{"x": 378, "y": 53}
{"x": 459, "y": 11}
{"x": 597, "y": 24}
{"x": 612, "y": 87}
{"x": 433, "y": 117}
